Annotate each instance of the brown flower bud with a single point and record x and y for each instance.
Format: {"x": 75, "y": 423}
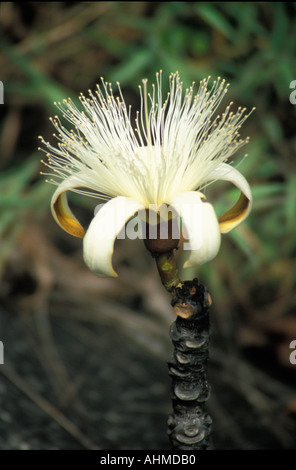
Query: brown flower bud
{"x": 163, "y": 236}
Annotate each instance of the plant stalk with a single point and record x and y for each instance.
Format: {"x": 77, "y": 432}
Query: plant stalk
{"x": 167, "y": 269}
{"x": 189, "y": 426}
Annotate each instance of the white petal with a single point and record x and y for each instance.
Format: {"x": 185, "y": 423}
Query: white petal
{"x": 201, "y": 225}
{"x": 60, "y": 208}
{"x": 98, "y": 243}
{"x": 241, "y": 209}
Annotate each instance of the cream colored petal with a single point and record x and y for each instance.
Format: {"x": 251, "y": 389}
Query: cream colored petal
{"x": 60, "y": 208}
{"x": 241, "y": 209}
{"x": 98, "y": 243}
{"x": 201, "y": 226}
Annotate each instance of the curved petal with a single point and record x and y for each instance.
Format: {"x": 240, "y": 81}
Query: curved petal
{"x": 241, "y": 209}
{"x": 201, "y": 225}
{"x": 61, "y": 211}
{"x": 98, "y": 243}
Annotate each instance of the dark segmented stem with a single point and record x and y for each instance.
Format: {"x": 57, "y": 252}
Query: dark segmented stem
{"x": 189, "y": 426}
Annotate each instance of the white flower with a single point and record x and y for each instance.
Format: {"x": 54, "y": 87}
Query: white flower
{"x": 176, "y": 149}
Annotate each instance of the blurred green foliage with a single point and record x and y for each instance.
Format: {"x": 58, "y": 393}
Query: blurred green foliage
{"x": 21, "y": 200}
{"x": 53, "y": 50}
